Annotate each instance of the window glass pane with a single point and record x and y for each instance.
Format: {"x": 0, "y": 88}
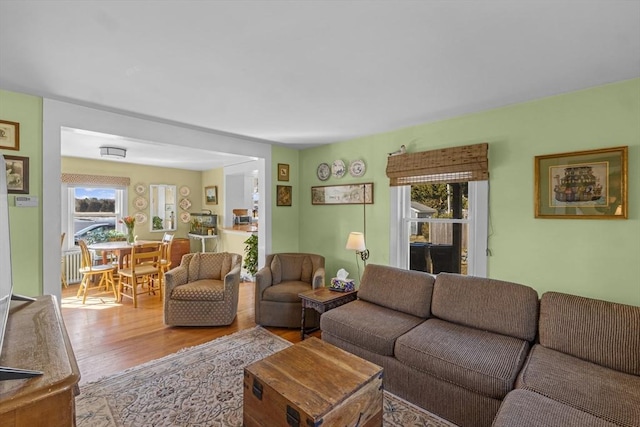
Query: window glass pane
{"x": 435, "y": 244}
{"x": 94, "y": 217}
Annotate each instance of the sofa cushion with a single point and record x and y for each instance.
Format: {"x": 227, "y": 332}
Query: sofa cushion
{"x": 276, "y": 270}
{"x": 200, "y": 290}
{"x": 407, "y": 291}
{"x": 369, "y": 326}
{"x": 523, "y": 408}
{"x": 226, "y": 266}
{"x": 211, "y": 265}
{"x": 480, "y": 361}
{"x": 194, "y": 267}
{"x": 285, "y": 291}
{"x": 600, "y": 391}
{"x": 493, "y": 305}
{"x": 601, "y": 332}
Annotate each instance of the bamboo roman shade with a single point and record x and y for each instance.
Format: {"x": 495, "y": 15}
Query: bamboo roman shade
{"x": 77, "y": 178}
{"x": 455, "y": 164}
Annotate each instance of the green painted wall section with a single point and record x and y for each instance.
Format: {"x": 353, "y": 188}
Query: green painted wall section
{"x": 593, "y": 258}
{"x": 26, "y": 223}
{"x": 285, "y": 220}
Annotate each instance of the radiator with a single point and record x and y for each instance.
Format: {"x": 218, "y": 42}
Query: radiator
{"x": 71, "y": 262}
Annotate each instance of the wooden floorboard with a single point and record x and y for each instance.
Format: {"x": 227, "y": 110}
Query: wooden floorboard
{"x": 108, "y": 337}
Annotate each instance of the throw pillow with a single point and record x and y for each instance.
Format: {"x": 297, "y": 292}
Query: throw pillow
{"x": 226, "y": 265}
{"x": 276, "y": 270}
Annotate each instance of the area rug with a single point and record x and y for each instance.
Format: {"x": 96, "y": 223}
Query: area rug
{"x": 200, "y": 387}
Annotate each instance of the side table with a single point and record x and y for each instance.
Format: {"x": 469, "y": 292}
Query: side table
{"x": 321, "y": 300}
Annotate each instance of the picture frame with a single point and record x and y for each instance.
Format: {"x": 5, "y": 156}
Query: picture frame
{"x": 211, "y": 195}
{"x": 283, "y": 172}
{"x": 350, "y": 194}
{"x": 17, "y": 170}
{"x": 582, "y": 185}
{"x": 283, "y": 195}
{"x": 9, "y": 135}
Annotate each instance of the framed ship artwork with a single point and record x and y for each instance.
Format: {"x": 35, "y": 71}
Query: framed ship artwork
{"x": 582, "y": 185}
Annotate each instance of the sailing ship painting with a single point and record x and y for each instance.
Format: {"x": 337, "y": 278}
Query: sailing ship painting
{"x": 577, "y": 184}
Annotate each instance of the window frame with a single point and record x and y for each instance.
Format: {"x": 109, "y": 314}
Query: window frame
{"x": 68, "y": 208}
{"x": 478, "y": 220}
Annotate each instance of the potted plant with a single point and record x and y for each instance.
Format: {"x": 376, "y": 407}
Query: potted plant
{"x": 251, "y": 254}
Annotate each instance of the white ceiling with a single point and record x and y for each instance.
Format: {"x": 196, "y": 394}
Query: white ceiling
{"x": 306, "y": 73}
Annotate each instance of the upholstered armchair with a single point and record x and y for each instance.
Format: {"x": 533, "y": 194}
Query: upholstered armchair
{"x": 203, "y": 290}
{"x": 278, "y": 284}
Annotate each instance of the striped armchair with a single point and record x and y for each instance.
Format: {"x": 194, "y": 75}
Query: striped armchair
{"x": 203, "y": 290}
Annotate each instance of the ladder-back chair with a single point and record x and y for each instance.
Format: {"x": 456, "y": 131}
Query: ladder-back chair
{"x": 142, "y": 273}
{"x": 90, "y": 271}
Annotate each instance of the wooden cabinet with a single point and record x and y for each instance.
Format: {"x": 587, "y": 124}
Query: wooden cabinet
{"x": 36, "y": 339}
{"x": 179, "y": 247}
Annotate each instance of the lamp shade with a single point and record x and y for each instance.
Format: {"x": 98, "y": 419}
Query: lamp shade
{"x": 355, "y": 242}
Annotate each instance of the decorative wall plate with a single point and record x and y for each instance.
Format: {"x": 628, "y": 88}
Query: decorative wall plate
{"x": 185, "y": 204}
{"x": 185, "y": 217}
{"x": 184, "y": 191}
{"x": 140, "y": 188}
{"x": 140, "y": 217}
{"x": 338, "y": 169}
{"x": 140, "y": 203}
{"x": 323, "y": 172}
{"x": 357, "y": 168}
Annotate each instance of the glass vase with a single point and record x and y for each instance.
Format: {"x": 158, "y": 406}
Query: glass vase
{"x": 130, "y": 236}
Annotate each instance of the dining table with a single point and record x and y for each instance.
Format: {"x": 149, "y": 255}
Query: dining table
{"x": 120, "y": 249}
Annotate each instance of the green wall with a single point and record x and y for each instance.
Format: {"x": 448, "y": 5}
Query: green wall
{"x": 594, "y": 258}
{"x": 26, "y": 223}
{"x": 285, "y": 220}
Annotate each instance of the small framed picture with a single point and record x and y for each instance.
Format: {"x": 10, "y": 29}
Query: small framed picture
{"x": 283, "y": 195}
{"x": 17, "y": 174}
{"x": 283, "y": 172}
{"x": 211, "y": 195}
{"x": 582, "y": 184}
{"x": 9, "y": 135}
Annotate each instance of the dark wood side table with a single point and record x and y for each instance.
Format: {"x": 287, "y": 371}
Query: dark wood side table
{"x": 321, "y": 300}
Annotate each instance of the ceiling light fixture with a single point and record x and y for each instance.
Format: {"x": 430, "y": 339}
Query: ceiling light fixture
{"x": 113, "y": 152}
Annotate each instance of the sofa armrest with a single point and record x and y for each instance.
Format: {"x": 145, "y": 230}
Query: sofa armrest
{"x": 263, "y": 280}
{"x": 318, "y": 278}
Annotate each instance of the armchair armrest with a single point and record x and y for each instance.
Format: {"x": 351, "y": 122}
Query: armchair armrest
{"x": 232, "y": 279}
{"x": 175, "y": 277}
{"x": 318, "y": 278}
{"x": 263, "y": 280}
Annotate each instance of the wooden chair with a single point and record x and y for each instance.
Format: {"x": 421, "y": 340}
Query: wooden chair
{"x": 90, "y": 271}
{"x": 63, "y": 273}
{"x": 142, "y": 273}
{"x": 165, "y": 260}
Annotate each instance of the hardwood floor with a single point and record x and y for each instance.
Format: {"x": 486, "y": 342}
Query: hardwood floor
{"x": 108, "y": 337}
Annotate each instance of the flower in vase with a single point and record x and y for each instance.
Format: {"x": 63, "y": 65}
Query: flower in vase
{"x": 129, "y": 221}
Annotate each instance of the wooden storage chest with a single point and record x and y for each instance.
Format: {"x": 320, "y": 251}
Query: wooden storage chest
{"x": 310, "y": 384}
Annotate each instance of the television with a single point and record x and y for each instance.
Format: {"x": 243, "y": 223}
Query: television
{"x": 6, "y": 277}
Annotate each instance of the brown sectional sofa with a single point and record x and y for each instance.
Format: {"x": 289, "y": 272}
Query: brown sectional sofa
{"x": 458, "y": 345}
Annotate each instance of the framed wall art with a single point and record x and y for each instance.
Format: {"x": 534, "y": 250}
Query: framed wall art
{"x": 211, "y": 195}
{"x": 584, "y": 184}
{"x": 351, "y": 194}
{"x": 9, "y": 135}
{"x": 17, "y": 174}
{"x": 283, "y": 195}
{"x": 283, "y": 172}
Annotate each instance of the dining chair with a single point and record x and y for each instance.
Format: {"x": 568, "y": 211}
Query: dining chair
{"x": 90, "y": 271}
{"x": 63, "y": 273}
{"x": 165, "y": 260}
{"x": 141, "y": 275}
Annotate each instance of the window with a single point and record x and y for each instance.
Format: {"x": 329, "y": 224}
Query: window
{"x": 92, "y": 212}
{"x": 439, "y": 210}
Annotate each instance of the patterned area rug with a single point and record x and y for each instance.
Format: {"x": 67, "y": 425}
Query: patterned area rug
{"x": 200, "y": 386}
